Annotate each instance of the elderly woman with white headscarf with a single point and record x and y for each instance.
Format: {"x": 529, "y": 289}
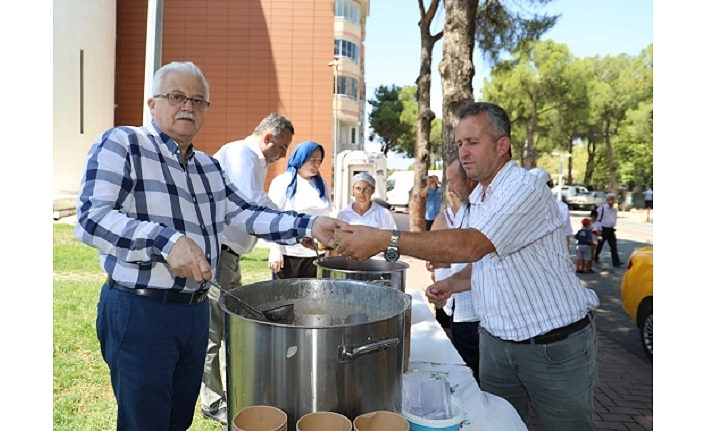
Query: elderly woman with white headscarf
{"x": 363, "y": 210}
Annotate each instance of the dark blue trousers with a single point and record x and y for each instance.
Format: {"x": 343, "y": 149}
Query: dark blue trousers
{"x": 156, "y": 353}
{"x": 465, "y": 338}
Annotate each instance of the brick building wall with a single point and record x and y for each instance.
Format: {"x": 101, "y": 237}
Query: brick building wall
{"x": 258, "y": 56}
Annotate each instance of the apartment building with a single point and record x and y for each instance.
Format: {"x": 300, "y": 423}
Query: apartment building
{"x": 304, "y": 59}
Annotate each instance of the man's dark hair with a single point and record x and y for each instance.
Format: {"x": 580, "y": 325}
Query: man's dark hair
{"x": 497, "y": 118}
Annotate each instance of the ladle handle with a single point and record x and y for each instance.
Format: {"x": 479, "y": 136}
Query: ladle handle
{"x": 245, "y": 305}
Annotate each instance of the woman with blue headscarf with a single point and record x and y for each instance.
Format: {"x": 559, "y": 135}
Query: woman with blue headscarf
{"x": 302, "y": 189}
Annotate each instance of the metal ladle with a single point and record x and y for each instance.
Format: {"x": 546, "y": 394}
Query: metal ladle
{"x": 316, "y": 250}
{"x": 277, "y": 314}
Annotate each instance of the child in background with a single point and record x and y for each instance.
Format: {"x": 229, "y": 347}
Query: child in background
{"x": 597, "y": 230}
{"x": 586, "y": 240}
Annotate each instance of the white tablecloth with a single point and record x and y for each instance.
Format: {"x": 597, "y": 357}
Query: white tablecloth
{"x": 431, "y": 352}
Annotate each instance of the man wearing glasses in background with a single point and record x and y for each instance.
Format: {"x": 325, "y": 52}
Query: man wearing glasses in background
{"x": 245, "y": 163}
{"x": 155, "y": 209}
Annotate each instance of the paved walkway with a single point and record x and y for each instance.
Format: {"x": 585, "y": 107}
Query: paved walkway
{"x": 623, "y": 399}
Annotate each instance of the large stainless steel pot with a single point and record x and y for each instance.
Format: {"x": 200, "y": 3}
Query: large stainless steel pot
{"x": 375, "y": 271}
{"x": 328, "y": 359}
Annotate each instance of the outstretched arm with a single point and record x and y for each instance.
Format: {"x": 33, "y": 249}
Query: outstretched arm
{"x": 447, "y": 245}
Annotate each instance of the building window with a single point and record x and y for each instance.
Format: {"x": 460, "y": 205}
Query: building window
{"x": 349, "y": 10}
{"x": 353, "y": 135}
{"x": 346, "y": 48}
{"x": 348, "y": 87}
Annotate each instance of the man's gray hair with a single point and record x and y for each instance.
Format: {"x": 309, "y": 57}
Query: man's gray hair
{"x": 461, "y": 171}
{"x": 275, "y": 124}
{"x": 185, "y": 68}
{"x": 498, "y": 119}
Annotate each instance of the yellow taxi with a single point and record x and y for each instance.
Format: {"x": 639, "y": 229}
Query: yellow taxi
{"x": 636, "y": 292}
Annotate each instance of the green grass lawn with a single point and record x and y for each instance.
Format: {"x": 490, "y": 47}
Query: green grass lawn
{"x": 83, "y": 397}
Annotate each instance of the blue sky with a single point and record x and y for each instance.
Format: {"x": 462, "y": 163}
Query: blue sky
{"x": 589, "y": 28}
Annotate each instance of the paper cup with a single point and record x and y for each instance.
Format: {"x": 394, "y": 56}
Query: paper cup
{"x": 260, "y": 418}
{"x": 380, "y": 421}
{"x": 324, "y": 421}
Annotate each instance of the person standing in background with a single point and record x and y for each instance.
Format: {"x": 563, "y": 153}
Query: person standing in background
{"x": 608, "y": 218}
{"x": 648, "y": 194}
{"x": 460, "y": 306}
{"x": 300, "y": 188}
{"x": 597, "y": 230}
{"x": 432, "y": 192}
{"x": 363, "y": 210}
{"x": 155, "y": 208}
{"x": 444, "y": 220}
{"x": 245, "y": 163}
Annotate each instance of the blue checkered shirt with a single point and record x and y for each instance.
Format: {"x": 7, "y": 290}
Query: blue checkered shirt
{"x": 136, "y": 200}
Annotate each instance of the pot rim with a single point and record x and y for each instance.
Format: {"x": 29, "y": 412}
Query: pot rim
{"x": 402, "y": 266}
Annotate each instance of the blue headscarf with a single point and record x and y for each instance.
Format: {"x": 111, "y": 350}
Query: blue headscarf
{"x": 299, "y": 156}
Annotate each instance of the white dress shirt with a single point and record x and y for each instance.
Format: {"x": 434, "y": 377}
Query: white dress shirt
{"x": 246, "y": 167}
{"x": 607, "y": 215}
{"x": 460, "y": 305}
{"x": 528, "y": 286}
{"x": 565, "y": 217}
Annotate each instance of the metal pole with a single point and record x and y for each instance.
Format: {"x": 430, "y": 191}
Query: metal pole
{"x": 561, "y": 171}
{"x": 334, "y": 64}
{"x": 153, "y": 52}
{"x": 335, "y": 107}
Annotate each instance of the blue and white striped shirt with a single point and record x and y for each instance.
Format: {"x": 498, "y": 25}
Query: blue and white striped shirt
{"x": 528, "y": 286}
{"x": 136, "y": 200}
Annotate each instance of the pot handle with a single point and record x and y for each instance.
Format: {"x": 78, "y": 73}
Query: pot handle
{"x": 350, "y": 353}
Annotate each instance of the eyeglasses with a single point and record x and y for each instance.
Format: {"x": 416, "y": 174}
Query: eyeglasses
{"x": 176, "y": 98}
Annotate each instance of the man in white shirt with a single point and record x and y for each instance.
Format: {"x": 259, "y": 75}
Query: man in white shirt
{"x": 608, "y": 218}
{"x": 537, "y": 336}
{"x": 245, "y": 162}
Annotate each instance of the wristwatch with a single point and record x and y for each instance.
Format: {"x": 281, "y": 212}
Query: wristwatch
{"x": 391, "y": 255}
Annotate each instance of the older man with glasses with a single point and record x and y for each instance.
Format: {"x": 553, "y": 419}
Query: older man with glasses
{"x": 154, "y": 207}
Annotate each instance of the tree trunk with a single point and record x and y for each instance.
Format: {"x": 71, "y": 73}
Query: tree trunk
{"x": 456, "y": 66}
{"x": 530, "y": 161}
{"x": 417, "y": 204}
{"x": 613, "y": 169}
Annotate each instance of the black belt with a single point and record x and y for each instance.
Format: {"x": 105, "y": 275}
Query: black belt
{"x": 228, "y": 250}
{"x": 163, "y": 295}
{"x": 557, "y": 334}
